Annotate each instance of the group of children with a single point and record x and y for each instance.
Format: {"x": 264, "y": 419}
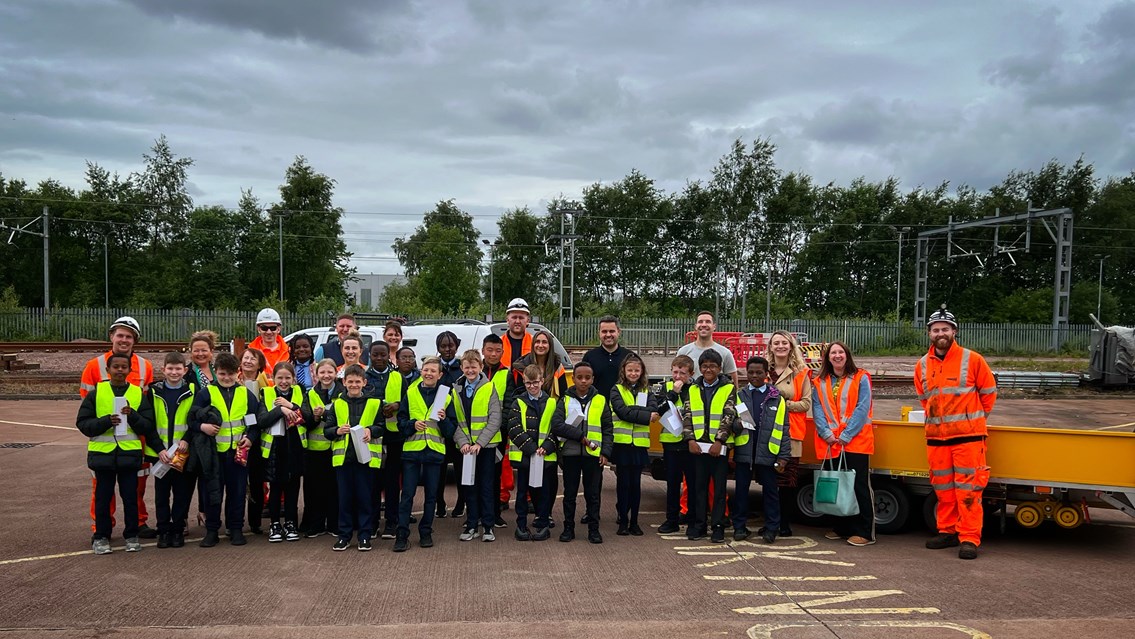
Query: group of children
{"x": 351, "y": 436}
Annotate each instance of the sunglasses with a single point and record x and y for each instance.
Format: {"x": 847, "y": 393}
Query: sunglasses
{"x": 269, "y": 328}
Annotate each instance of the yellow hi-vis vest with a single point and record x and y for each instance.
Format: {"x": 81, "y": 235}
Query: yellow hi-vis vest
{"x": 706, "y": 426}
{"x": 478, "y": 413}
{"x": 544, "y": 429}
{"x": 343, "y": 418}
{"x": 665, "y": 436}
{"x": 180, "y": 419}
{"x": 104, "y": 407}
{"x": 314, "y": 439}
{"x": 266, "y": 438}
{"x": 392, "y": 394}
{"x": 500, "y": 383}
{"x": 593, "y": 420}
{"x": 431, "y": 436}
{"x": 628, "y": 432}
{"x": 232, "y": 419}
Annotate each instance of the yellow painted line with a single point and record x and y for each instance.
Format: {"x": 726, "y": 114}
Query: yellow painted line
{"x": 766, "y": 631}
{"x": 788, "y": 578}
{"x": 791, "y": 555}
{"x": 1117, "y": 426}
{"x": 77, "y": 553}
{"x": 2, "y": 421}
{"x": 822, "y": 598}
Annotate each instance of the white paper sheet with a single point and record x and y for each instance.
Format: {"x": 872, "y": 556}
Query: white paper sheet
{"x": 746, "y": 417}
{"x": 159, "y": 469}
{"x": 439, "y": 401}
{"x": 640, "y": 399}
{"x": 250, "y": 420}
{"x": 277, "y": 429}
{"x": 704, "y": 446}
{"x": 536, "y": 472}
{"x": 468, "y": 469}
{"x": 672, "y": 421}
{"x": 120, "y": 405}
{"x": 574, "y": 411}
{"x": 362, "y": 451}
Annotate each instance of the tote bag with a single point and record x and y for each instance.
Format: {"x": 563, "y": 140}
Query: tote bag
{"x": 833, "y": 489}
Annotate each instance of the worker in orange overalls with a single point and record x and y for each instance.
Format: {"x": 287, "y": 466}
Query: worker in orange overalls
{"x": 957, "y": 390}
{"x": 124, "y": 333}
{"x": 270, "y": 341}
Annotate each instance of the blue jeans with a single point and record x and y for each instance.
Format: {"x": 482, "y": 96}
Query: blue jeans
{"x": 482, "y": 504}
{"x": 234, "y": 481}
{"x": 414, "y": 474}
{"x": 356, "y": 510}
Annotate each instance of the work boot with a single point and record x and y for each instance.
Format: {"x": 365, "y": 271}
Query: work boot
{"x": 236, "y": 537}
{"x": 568, "y": 534}
{"x": 942, "y": 540}
{"x": 594, "y": 537}
{"x": 212, "y": 538}
{"x": 967, "y": 551}
{"x": 145, "y": 532}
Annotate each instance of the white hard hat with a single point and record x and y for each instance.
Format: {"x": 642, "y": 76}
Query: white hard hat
{"x": 942, "y": 315}
{"x": 518, "y": 304}
{"x": 127, "y": 322}
{"x": 268, "y": 316}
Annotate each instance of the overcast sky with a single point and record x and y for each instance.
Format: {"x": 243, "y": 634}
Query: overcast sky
{"x": 501, "y": 103}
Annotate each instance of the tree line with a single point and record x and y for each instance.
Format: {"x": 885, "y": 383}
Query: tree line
{"x": 748, "y": 236}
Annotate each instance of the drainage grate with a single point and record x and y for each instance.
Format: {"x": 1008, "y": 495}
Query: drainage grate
{"x": 19, "y": 445}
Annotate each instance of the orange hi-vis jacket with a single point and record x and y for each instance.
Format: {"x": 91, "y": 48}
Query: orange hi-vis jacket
{"x": 525, "y": 348}
{"x": 798, "y": 421}
{"x": 957, "y": 392}
{"x": 272, "y": 357}
{"x": 837, "y": 412}
{"x": 141, "y": 373}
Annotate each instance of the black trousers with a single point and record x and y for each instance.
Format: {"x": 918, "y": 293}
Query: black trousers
{"x": 289, "y": 492}
{"x": 392, "y": 480}
{"x": 320, "y": 492}
{"x": 587, "y": 467}
{"x": 377, "y": 488}
{"x": 542, "y": 497}
{"x": 234, "y": 479}
{"x": 127, "y": 481}
{"x": 175, "y": 484}
{"x": 862, "y": 524}
{"x": 679, "y": 465}
{"x": 356, "y": 481}
{"x": 628, "y": 492}
{"x": 706, "y": 469}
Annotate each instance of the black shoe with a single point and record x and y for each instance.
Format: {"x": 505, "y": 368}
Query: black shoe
{"x": 211, "y": 539}
{"x": 684, "y": 520}
{"x": 718, "y": 536}
{"x": 942, "y": 540}
{"x": 741, "y": 534}
{"x": 145, "y": 532}
{"x": 402, "y": 544}
{"x": 163, "y": 540}
{"x": 341, "y": 544}
{"x": 459, "y": 509}
{"x": 785, "y": 530}
{"x": 623, "y": 530}
{"x": 567, "y": 535}
{"x": 390, "y": 532}
{"x": 236, "y": 537}
{"x": 499, "y": 523}
{"x": 522, "y": 534}
{"x": 312, "y": 533}
{"x": 364, "y": 545}
{"x": 594, "y": 537}
{"x": 694, "y": 533}
{"x": 586, "y": 519}
{"x": 440, "y": 513}
{"x": 413, "y": 519}
{"x": 968, "y": 550}
{"x": 290, "y": 531}
{"x": 256, "y": 530}
{"x": 177, "y": 540}
{"x": 426, "y": 540}
{"x": 504, "y": 505}
{"x": 635, "y": 530}
{"x": 768, "y": 536}
{"x": 668, "y": 528}
{"x": 275, "y": 533}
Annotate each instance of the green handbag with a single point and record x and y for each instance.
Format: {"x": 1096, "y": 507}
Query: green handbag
{"x": 833, "y": 489}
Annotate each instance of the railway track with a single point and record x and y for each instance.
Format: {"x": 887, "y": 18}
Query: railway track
{"x": 86, "y": 347}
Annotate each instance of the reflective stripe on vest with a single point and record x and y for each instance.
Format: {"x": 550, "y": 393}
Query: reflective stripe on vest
{"x": 838, "y": 414}
{"x": 266, "y": 437}
{"x": 478, "y": 413}
{"x": 104, "y": 407}
{"x": 315, "y": 440}
{"x": 543, "y": 430}
{"x": 343, "y": 418}
{"x": 706, "y": 426}
{"x": 180, "y": 420}
{"x": 431, "y": 436}
{"x": 952, "y": 396}
{"x": 232, "y": 419}
{"x": 628, "y": 432}
{"x": 665, "y": 436}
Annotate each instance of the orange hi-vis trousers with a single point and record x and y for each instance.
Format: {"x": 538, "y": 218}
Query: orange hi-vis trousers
{"x": 959, "y": 475}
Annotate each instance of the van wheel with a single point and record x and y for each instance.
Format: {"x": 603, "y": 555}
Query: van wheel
{"x": 892, "y": 508}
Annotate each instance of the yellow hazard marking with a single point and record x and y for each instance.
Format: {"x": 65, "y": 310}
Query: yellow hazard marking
{"x": 2, "y": 421}
{"x": 822, "y": 598}
{"x": 789, "y": 578}
{"x": 765, "y": 631}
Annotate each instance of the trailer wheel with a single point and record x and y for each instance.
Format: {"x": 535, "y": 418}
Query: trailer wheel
{"x": 1028, "y": 516}
{"x": 806, "y": 512}
{"x": 892, "y": 508}
{"x": 1068, "y": 517}
{"x": 929, "y": 512}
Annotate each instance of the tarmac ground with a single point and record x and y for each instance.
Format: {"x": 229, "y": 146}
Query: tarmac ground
{"x": 1046, "y": 582}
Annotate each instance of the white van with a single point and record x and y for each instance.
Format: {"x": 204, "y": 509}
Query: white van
{"x": 422, "y": 336}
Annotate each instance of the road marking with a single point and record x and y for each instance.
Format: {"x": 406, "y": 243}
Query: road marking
{"x": 732, "y": 553}
{"x": 1116, "y": 426}
{"x": 77, "y": 553}
{"x": 789, "y": 578}
{"x": 2, "y": 421}
{"x": 765, "y": 631}
{"x": 822, "y": 598}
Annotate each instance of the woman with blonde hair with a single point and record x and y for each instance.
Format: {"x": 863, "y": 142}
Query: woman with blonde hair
{"x": 202, "y": 344}
{"x": 793, "y": 380}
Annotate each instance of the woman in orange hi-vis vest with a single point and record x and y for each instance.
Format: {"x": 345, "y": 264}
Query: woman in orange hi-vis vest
{"x": 793, "y": 380}
{"x": 841, "y": 400}
{"x": 957, "y": 390}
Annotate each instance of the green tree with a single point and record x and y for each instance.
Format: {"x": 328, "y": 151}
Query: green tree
{"x": 442, "y": 260}
{"x": 519, "y": 267}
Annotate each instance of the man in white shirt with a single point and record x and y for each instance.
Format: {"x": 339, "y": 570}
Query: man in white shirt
{"x": 705, "y": 325}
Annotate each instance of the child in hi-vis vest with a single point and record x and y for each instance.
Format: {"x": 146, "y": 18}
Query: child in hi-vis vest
{"x": 350, "y": 419}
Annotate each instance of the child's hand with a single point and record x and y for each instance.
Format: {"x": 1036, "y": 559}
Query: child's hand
{"x": 694, "y": 448}
{"x": 420, "y": 426}
{"x": 210, "y": 429}
{"x": 245, "y": 442}
{"x": 318, "y": 412}
{"x": 389, "y": 409}
{"x": 116, "y": 419}
{"x": 366, "y": 435}
{"x": 715, "y": 449}
{"x": 343, "y": 430}
{"x": 541, "y": 452}
{"x": 183, "y": 446}
{"x": 475, "y": 449}
{"x": 280, "y": 401}
{"x": 441, "y": 414}
{"x": 163, "y": 456}
{"x": 465, "y": 449}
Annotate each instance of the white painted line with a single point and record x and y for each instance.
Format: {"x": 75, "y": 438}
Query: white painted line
{"x": 788, "y": 578}
{"x": 1117, "y": 426}
{"x": 822, "y": 598}
{"x": 78, "y": 553}
{"x": 766, "y": 631}
{"x": 2, "y": 421}
{"x": 791, "y": 555}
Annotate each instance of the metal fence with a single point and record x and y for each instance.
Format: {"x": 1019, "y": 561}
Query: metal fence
{"x": 661, "y": 334}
